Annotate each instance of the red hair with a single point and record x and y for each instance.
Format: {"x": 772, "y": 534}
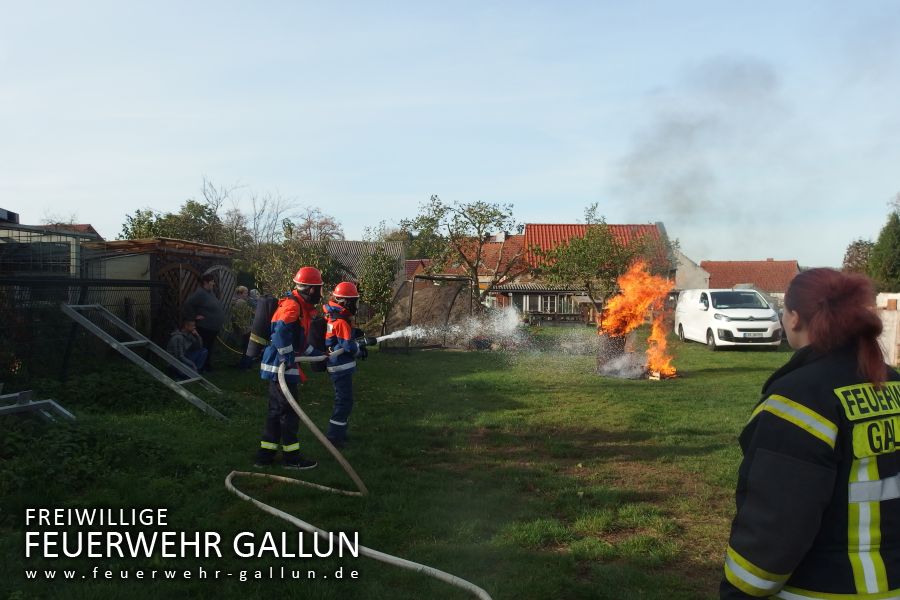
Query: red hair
{"x": 838, "y": 309}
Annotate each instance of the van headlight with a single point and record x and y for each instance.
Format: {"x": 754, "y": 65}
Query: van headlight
{"x": 774, "y": 318}
{"x": 721, "y": 317}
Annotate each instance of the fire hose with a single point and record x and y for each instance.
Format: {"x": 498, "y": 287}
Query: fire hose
{"x": 361, "y": 491}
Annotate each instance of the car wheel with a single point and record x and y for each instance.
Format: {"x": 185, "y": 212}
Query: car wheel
{"x": 681, "y": 333}
{"x": 711, "y": 340}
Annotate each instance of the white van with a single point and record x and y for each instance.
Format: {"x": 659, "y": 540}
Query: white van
{"x": 737, "y": 317}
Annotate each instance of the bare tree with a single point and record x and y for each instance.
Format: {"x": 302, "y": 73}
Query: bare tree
{"x": 267, "y": 213}
{"x": 54, "y": 218}
{"x": 216, "y": 196}
{"x": 385, "y": 233}
{"x": 314, "y": 225}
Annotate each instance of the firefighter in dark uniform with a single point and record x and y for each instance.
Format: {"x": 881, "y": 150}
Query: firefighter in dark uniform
{"x": 290, "y": 322}
{"x": 818, "y": 493}
{"x": 339, "y": 334}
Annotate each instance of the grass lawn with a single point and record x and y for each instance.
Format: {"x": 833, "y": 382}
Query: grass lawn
{"x": 525, "y": 474}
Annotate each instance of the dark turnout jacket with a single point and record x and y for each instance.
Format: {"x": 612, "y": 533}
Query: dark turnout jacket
{"x": 204, "y": 303}
{"x": 818, "y": 493}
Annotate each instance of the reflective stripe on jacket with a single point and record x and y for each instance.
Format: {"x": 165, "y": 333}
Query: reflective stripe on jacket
{"x": 818, "y": 493}
{"x": 288, "y": 338}
{"x": 339, "y": 335}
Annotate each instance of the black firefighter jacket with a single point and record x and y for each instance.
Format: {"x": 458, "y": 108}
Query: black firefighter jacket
{"x": 818, "y": 493}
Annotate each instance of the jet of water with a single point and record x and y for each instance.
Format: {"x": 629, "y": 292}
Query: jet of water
{"x": 503, "y": 327}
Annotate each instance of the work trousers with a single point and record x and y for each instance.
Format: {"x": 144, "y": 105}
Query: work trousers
{"x": 281, "y": 425}
{"x": 209, "y": 341}
{"x": 343, "y": 404}
{"x": 246, "y": 362}
{"x": 198, "y": 357}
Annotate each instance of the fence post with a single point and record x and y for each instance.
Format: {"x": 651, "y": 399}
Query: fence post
{"x": 82, "y": 296}
{"x": 412, "y": 294}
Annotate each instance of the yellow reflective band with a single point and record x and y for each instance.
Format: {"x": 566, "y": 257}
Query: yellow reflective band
{"x": 749, "y": 578}
{"x": 268, "y": 446}
{"x": 259, "y": 340}
{"x": 291, "y": 447}
{"x": 864, "y": 400}
{"x": 791, "y": 593}
{"x": 875, "y": 437}
{"x": 801, "y": 416}
{"x": 864, "y": 534}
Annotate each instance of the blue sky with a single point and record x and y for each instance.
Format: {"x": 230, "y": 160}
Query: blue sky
{"x": 751, "y": 130}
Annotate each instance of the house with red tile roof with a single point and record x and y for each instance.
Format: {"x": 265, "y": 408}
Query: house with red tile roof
{"x": 769, "y": 276}
{"x": 501, "y": 258}
{"x": 505, "y": 257}
{"x": 547, "y": 236}
{"x": 511, "y": 260}
{"x": 416, "y": 265}
{"x": 560, "y": 303}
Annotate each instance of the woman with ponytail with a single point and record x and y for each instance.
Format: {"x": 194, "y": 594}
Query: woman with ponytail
{"x": 818, "y": 493}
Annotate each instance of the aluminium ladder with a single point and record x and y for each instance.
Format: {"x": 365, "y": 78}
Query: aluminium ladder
{"x": 21, "y": 402}
{"x": 76, "y": 312}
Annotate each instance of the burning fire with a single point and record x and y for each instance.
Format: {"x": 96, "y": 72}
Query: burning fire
{"x": 641, "y": 292}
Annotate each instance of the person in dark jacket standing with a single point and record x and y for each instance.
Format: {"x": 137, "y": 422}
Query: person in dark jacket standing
{"x": 339, "y": 336}
{"x": 818, "y": 493}
{"x": 205, "y": 308}
{"x": 290, "y": 322}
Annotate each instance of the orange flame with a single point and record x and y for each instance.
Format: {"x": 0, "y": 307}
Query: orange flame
{"x": 658, "y": 359}
{"x": 640, "y": 293}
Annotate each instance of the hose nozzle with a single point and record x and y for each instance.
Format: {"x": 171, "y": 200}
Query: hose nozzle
{"x": 367, "y": 341}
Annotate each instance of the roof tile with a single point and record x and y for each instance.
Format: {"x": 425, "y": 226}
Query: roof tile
{"x": 766, "y": 275}
{"x": 416, "y": 265}
{"x": 547, "y": 236}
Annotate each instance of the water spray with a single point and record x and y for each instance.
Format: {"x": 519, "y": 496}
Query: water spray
{"x": 360, "y": 491}
{"x": 361, "y": 342}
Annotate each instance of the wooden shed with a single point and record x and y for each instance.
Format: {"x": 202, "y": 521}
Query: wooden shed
{"x": 178, "y": 264}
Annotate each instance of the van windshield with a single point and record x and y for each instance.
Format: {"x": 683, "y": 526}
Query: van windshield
{"x": 726, "y": 300}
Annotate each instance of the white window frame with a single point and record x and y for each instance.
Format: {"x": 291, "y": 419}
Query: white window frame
{"x": 547, "y": 300}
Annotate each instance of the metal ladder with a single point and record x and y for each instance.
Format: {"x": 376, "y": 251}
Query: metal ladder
{"x": 75, "y": 311}
{"x": 22, "y": 402}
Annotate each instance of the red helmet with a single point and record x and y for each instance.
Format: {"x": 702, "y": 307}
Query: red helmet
{"x": 308, "y": 276}
{"x": 345, "y": 289}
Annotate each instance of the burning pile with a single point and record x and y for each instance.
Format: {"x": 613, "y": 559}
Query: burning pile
{"x": 640, "y": 293}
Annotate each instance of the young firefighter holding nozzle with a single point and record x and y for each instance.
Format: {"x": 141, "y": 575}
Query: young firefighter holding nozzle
{"x": 818, "y": 492}
{"x": 340, "y": 335}
{"x": 290, "y": 322}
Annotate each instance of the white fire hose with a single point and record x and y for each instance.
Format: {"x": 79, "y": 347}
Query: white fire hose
{"x": 362, "y": 491}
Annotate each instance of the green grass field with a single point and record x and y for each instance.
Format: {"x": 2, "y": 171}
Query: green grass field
{"x": 525, "y": 474}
